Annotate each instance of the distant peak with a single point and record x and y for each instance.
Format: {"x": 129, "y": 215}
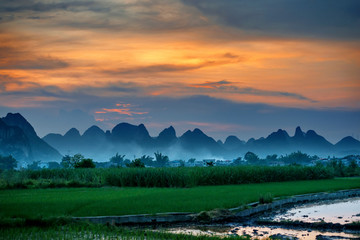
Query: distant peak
{"x": 73, "y": 132}
{"x": 94, "y": 127}
{"x": 93, "y": 130}
{"x": 16, "y": 119}
{"x": 311, "y": 133}
{"x": 299, "y": 132}
{"x": 197, "y": 131}
{"x": 17, "y": 115}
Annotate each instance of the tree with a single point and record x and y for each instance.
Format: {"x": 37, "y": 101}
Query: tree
{"x": 71, "y": 162}
{"x": 296, "y": 157}
{"x": 34, "y": 166}
{"x": 161, "y": 160}
{"x": 117, "y": 160}
{"x": 147, "y": 160}
{"x": 192, "y": 160}
{"x": 272, "y": 157}
{"x": 136, "y": 164}
{"x": 85, "y": 163}
{"x": 251, "y": 157}
{"x": 66, "y": 161}
{"x": 209, "y": 163}
{"x": 237, "y": 161}
{"x": 7, "y": 162}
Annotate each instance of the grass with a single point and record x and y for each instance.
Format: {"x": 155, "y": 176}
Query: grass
{"x": 92, "y": 231}
{"x": 159, "y": 177}
{"x": 38, "y": 203}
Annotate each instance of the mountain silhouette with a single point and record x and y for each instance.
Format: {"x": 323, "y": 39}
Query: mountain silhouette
{"x": 233, "y": 142}
{"x": 348, "y": 145}
{"x": 167, "y": 137}
{"x": 128, "y": 133}
{"x": 19, "y": 139}
{"x": 196, "y": 141}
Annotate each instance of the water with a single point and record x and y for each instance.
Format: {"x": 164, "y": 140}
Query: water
{"x": 339, "y": 211}
{"x": 260, "y": 232}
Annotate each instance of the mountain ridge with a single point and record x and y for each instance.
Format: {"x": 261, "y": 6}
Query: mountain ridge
{"x": 18, "y": 137}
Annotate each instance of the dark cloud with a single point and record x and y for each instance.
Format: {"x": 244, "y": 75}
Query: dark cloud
{"x": 12, "y": 58}
{"x": 259, "y": 92}
{"x": 226, "y": 86}
{"x": 40, "y": 63}
{"x": 286, "y": 18}
{"x": 36, "y": 6}
{"x": 157, "y": 68}
{"x": 155, "y": 15}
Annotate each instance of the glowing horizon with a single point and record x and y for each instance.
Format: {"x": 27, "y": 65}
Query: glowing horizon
{"x": 53, "y": 52}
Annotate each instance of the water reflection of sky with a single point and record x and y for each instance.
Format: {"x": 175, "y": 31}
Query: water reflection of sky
{"x": 260, "y": 232}
{"x": 339, "y": 211}
{"x": 336, "y": 211}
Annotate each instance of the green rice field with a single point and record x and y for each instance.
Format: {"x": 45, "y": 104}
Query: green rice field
{"x": 41, "y": 203}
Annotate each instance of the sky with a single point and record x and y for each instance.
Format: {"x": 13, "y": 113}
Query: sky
{"x": 234, "y": 67}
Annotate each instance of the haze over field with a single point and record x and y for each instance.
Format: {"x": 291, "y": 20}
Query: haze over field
{"x": 243, "y": 68}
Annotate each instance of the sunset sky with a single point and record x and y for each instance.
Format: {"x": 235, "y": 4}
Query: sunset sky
{"x": 245, "y": 68}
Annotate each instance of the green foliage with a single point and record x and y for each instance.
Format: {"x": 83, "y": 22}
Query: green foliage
{"x": 77, "y": 161}
{"x": 296, "y": 157}
{"x": 272, "y": 157}
{"x": 35, "y": 203}
{"x": 340, "y": 170}
{"x": 209, "y": 163}
{"x": 117, "y": 160}
{"x": 7, "y": 163}
{"x": 266, "y": 198}
{"x": 251, "y": 157}
{"x": 34, "y": 165}
{"x": 66, "y": 162}
{"x": 136, "y": 164}
{"x": 85, "y": 163}
{"x": 147, "y": 160}
{"x": 237, "y": 161}
{"x": 85, "y": 230}
{"x": 138, "y": 176}
{"x": 161, "y": 160}
{"x": 192, "y": 160}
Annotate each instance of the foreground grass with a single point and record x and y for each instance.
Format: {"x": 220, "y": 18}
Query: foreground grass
{"x": 91, "y": 231}
{"x": 38, "y": 203}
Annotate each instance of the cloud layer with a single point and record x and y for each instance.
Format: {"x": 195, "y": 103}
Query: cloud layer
{"x": 223, "y": 65}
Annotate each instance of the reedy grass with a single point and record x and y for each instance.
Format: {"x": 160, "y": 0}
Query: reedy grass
{"x": 159, "y": 177}
{"x": 83, "y": 230}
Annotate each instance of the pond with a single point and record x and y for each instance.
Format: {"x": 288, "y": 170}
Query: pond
{"x": 334, "y": 211}
{"x": 342, "y": 211}
{"x": 259, "y": 232}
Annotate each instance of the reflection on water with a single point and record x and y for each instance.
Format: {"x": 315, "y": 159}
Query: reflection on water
{"x": 259, "y": 232}
{"x": 263, "y": 232}
{"x": 339, "y": 211}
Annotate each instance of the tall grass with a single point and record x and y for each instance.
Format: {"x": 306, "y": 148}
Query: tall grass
{"x": 159, "y": 177}
{"x": 92, "y": 231}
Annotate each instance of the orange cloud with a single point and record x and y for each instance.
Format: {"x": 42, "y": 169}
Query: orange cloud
{"x": 124, "y": 111}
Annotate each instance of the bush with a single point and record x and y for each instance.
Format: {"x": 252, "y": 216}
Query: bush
{"x": 85, "y": 163}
